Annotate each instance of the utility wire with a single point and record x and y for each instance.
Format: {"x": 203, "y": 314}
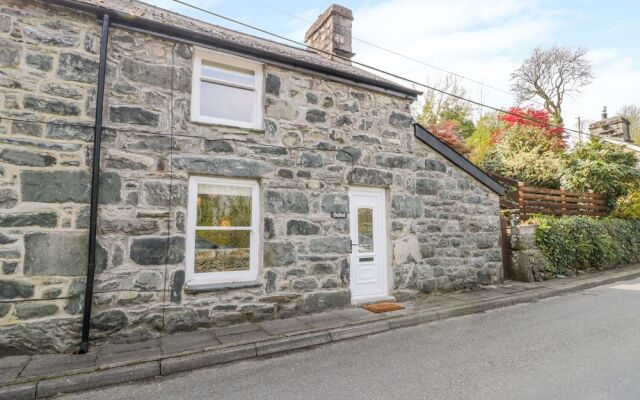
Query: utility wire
{"x": 169, "y": 220}
{"x": 407, "y": 57}
{"x": 388, "y": 50}
{"x": 391, "y": 74}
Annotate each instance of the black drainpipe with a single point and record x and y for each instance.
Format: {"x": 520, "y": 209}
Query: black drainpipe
{"x": 95, "y": 180}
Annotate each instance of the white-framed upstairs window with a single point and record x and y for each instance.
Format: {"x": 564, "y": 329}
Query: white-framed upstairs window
{"x": 222, "y": 231}
{"x": 226, "y": 90}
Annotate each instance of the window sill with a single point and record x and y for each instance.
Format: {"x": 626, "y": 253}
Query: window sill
{"x": 217, "y": 287}
{"x": 247, "y": 129}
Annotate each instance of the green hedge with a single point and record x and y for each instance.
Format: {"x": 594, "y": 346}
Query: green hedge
{"x": 584, "y": 242}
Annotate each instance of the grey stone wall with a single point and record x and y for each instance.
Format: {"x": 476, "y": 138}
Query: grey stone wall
{"x": 614, "y": 127}
{"x": 331, "y": 33}
{"x": 320, "y": 138}
{"x": 528, "y": 264}
{"x": 48, "y": 62}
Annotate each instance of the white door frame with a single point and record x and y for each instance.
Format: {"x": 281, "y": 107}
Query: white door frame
{"x": 374, "y": 198}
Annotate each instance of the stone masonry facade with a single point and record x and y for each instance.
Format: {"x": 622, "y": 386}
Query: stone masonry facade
{"x": 320, "y": 138}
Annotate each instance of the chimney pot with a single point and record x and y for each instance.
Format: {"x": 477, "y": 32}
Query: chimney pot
{"x": 604, "y": 113}
{"x": 332, "y": 33}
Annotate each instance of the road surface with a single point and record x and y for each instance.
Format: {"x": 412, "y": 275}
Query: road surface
{"x": 583, "y": 346}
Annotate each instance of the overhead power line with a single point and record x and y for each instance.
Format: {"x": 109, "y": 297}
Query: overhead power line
{"x": 481, "y": 83}
{"x": 390, "y": 74}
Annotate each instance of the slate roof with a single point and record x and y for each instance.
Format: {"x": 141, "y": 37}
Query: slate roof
{"x": 136, "y": 12}
{"x": 629, "y": 145}
{"x": 457, "y": 159}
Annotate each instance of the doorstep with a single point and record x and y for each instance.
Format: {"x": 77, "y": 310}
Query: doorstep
{"x": 30, "y": 377}
{"x": 372, "y": 299}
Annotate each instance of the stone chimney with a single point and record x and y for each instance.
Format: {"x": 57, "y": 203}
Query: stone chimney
{"x": 614, "y": 127}
{"x": 332, "y": 33}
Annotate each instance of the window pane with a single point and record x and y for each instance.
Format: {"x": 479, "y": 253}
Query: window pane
{"x": 219, "y": 205}
{"x": 220, "y": 251}
{"x": 228, "y": 73}
{"x": 365, "y": 230}
{"x": 220, "y": 101}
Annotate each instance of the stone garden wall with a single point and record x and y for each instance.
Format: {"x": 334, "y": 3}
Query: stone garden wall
{"x": 528, "y": 263}
{"x": 320, "y": 138}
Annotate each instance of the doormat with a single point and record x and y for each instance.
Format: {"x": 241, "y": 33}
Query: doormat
{"x": 383, "y": 307}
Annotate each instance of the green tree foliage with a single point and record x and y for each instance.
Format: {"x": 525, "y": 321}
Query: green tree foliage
{"x": 628, "y": 207}
{"x": 223, "y": 210}
{"x": 603, "y": 168}
{"x": 526, "y": 153}
{"x": 442, "y": 112}
{"x": 481, "y": 139}
{"x": 461, "y": 114}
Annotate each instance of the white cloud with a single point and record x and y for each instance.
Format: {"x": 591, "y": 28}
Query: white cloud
{"x": 616, "y": 83}
{"x": 484, "y": 40}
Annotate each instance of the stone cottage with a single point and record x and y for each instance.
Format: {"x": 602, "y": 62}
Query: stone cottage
{"x": 239, "y": 179}
{"x": 616, "y": 130}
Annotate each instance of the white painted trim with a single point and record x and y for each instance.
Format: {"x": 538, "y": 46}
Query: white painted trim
{"x": 254, "y": 244}
{"x": 382, "y": 247}
{"x": 201, "y": 54}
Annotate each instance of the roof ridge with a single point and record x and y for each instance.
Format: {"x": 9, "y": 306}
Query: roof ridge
{"x": 306, "y": 48}
{"x": 136, "y": 14}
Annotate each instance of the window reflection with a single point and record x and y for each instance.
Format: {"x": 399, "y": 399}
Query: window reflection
{"x": 365, "y": 230}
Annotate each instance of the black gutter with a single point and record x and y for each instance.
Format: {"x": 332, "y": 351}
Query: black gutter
{"x": 125, "y": 20}
{"x": 458, "y": 159}
{"x": 95, "y": 184}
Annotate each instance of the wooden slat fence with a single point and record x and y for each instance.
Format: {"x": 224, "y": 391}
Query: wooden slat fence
{"x": 530, "y": 200}
{"x": 536, "y": 200}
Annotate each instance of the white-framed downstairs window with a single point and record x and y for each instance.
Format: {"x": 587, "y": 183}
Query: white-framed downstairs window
{"x": 226, "y": 90}
{"x": 222, "y": 231}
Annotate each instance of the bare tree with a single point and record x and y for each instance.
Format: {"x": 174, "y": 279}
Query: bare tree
{"x": 582, "y": 126}
{"x": 550, "y": 75}
{"x": 436, "y": 102}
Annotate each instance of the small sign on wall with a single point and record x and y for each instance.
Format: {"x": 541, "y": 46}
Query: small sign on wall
{"x": 338, "y": 214}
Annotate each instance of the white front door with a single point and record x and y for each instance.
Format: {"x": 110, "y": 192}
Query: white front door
{"x": 367, "y": 213}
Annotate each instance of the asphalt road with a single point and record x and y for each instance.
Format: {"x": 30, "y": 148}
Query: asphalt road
{"x": 580, "y": 346}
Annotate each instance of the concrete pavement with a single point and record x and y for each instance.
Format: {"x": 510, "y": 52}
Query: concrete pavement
{"x": 584, "y": 345}
{"x": 24, "y": 377}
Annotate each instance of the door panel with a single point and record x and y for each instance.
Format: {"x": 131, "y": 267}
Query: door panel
{"x": 367, "y": 215}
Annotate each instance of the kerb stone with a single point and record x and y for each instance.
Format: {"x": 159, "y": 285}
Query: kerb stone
{"x": 292, "y": 343}
{"x": 18, "y": 392}
{"x": 206, "y": 359}
{"x": 76, "y": 383}
{"x": 358, "y": 330}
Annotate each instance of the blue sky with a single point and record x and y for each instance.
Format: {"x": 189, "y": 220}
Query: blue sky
{"x": 480, "y": 39}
